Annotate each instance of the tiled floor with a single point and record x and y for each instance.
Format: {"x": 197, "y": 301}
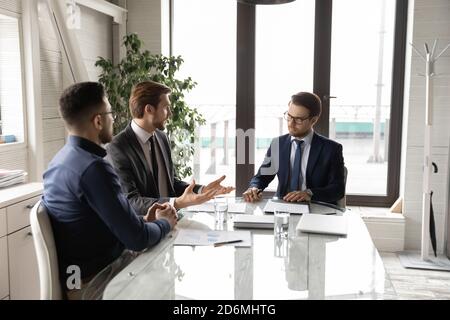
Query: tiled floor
{"x": 414, "y": 283}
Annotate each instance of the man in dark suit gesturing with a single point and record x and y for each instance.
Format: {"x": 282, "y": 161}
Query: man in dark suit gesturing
{"x": 308, "y": 165}
{"x": 142, "y": 158}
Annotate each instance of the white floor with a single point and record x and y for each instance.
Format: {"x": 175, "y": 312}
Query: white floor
{"x": 413, "y": 283}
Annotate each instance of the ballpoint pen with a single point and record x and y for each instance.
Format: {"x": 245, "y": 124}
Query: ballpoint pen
{"x": 218, "y": 244}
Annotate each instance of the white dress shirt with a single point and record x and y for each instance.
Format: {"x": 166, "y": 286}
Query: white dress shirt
{"x": 306, "y": 147}
{"x": 143, "y": 137}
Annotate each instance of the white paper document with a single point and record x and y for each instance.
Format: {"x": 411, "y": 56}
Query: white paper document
{"x": 294, "y": 208}
{"x": 253, "y": 221}
{"x": 11, "y": 177}
{"x": 233, "y": 207}
{"x": 194, "y": 237}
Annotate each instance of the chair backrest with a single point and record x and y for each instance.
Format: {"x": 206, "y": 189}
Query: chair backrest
{"x": 342, "y": 203}
{"x": 44, "y": 244}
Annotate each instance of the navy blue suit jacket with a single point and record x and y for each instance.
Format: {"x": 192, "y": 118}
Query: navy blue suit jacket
{"x": 324, "y": 172}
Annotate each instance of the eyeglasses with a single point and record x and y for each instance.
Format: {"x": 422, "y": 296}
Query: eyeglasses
{"x": 297, "y": 120}
{"x": 113, "y": 114}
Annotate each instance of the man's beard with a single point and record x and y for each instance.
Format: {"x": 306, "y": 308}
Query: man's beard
{"x": 105, "y": 136}
{"x": 160, "y": 126}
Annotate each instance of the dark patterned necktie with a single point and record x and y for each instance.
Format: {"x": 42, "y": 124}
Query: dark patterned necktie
{"x": 296, "y": 178}
{"x": 153, "y": 158}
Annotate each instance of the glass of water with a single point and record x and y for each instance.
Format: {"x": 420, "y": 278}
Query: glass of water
{"x": 221, "y": 209}
{"x": 281, "y": 224}
{"x": 280, "y": 247}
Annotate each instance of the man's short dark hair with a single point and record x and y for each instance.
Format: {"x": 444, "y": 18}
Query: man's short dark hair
{"x": 310, "y": 101}
{"x": 144, "y": 93}
{"x": 81, "y": 100}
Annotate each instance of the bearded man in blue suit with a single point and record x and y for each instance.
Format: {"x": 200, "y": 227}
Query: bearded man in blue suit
{"x": 308, "y": 166}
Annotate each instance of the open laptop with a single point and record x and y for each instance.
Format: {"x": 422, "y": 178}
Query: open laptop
{"x": 323, "y": 224}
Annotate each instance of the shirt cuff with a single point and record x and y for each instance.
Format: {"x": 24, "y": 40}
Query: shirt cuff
{"x": 165, "y": 226}
{"x": 172, "y": 201}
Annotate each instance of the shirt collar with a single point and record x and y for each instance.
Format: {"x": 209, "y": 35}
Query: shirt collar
{"x": 140, "y": 133}
{"x": 307, "y": 139}
{"x": 87, "y": 145}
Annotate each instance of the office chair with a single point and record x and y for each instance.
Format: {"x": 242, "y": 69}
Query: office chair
{"x": 44, "y": 244}
{"x": 343, "y": 201}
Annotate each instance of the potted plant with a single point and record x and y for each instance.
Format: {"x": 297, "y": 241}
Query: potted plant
{"x": 140, "y": 65}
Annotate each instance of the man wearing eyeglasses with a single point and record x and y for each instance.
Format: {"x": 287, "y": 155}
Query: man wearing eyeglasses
{"x": 93, "y": 222}
{"x": 308, "y": 166}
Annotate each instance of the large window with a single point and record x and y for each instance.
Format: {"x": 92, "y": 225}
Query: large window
{"x": 349, "y": 53}
{"x": 12, "y": 129}
{"x": 361, "y": 77}
{"x": 284, "y": 66}
{"x": 207, "y": 43}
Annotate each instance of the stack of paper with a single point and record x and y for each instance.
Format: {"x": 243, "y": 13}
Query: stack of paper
{"x": 253, "y": 221}
{"x": 11, "y": 177}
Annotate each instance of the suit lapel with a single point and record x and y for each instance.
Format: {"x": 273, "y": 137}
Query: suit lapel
{"x": 164, "y": 152}
{"x": 285, "y": 161}
{"x": 138, "y": 149}
{"x": 314, "y": 153}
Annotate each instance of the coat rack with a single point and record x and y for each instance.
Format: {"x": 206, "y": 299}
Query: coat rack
{"x": 424, "y": 261}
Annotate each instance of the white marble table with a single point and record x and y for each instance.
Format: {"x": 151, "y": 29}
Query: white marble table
{"x": 314, "y": 266}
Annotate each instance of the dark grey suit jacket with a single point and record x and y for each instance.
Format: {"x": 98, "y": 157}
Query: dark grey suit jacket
{"x": 127, "y": 157}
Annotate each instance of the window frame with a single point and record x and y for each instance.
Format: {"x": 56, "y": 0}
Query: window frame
{"x": 245, "y": 91}
{"x": 322, "y": 88}
{"x": 4, "y": 147}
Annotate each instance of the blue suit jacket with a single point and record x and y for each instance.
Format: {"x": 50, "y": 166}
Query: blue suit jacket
{"x": 324, "y": 172}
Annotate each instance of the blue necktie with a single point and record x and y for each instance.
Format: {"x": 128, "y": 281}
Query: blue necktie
{"x": 296, "y": 179}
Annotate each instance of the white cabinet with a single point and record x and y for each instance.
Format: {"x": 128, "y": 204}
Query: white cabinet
{"x": 3, "y": 227}
{"x": 23, "y": 269}
{"x": 19, "y": 214}
{"x": 4, "y": 282}
{"x": 19, "y": 275}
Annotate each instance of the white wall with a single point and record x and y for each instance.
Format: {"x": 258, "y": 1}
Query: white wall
{"x": 11, "y": 5}
{"x": 51, "y": 84}
{"x": 431, "y": 19}
{"x": 95, "y": 39}
{"x": 150, "y": 20}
